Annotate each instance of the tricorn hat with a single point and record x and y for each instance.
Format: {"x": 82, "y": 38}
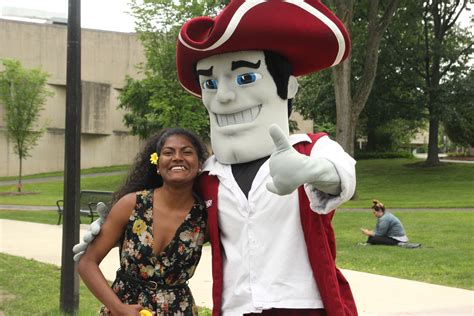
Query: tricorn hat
{"x": 307, "y": 33}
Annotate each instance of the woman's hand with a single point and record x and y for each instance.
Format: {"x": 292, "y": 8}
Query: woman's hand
{"x": 126, "y": 310}
{"x": 367, "y": 232}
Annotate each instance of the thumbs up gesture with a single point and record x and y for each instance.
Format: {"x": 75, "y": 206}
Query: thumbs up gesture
{"x": 289, "y": 169}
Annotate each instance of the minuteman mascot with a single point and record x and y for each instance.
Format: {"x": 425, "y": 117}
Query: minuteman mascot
{"x": 270, "y": 195}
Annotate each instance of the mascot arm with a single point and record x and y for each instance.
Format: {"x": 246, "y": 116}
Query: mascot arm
{"x": 94, "y": 230}
{"x": 320, "y": 173}
{"x": 322, "y": 201}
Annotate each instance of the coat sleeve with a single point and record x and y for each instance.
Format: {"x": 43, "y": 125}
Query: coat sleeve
{"x": 323, "y": 203}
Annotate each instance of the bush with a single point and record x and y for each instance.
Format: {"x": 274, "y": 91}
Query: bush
{"x": 382, "y": 155}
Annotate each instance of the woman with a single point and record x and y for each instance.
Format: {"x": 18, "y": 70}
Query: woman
{"x": 161, "y": 225}
{"x": 388, "y": 230}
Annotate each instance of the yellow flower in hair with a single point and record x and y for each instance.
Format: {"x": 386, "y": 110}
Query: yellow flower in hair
{"x": 154, "y": 158}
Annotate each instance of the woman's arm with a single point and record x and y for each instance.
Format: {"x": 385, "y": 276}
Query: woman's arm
{"x": 382, "y": 227}
{"x": 367, "y": 232}
{"x": 88, "y": 266}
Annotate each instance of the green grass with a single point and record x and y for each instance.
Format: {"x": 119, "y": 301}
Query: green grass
{"x": 445, "y": 258}
{"x": 43, "y": 217}
{"x": 33, "y": 289}
{"x": 60, "y": 173}
{"x": 47, "y": 193}
{"x": 403, "y": 183}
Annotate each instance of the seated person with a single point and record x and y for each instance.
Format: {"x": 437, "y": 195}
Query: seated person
{"x": 389, "y": 229}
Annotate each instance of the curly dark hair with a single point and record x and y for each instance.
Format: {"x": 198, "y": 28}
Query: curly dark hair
{"x": 142, "y": 174}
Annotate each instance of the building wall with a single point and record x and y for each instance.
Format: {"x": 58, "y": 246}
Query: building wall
{"x": 107, "y": 57}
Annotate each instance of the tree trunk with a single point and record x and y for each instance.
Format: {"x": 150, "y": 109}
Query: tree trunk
{"x": 433, "y": 158}
{"x": 371, "y": 141}
{"x": 348, "y": 108}
{"x": 20, "y": 185}
{"x": 342, "y": 91}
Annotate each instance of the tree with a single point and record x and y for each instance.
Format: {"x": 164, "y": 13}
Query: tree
{"x": 23, "y": 93}
{"x": 400, "y": 92}
{"x": 444, "y": 47}
{"x": 158, "y": 100}
{"x": 459, "y": 121}
{"x": 394, "y": 110}
{"x": 318, "y": 94}
{"x": 351, "y": 101}
{"x": 435, "y": 53}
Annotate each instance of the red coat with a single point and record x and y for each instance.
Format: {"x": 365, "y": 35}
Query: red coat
{"x": 320, "y": 243}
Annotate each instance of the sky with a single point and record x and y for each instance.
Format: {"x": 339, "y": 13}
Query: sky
{"x": 107, "y": 14}
{"x": 95, "y": 14}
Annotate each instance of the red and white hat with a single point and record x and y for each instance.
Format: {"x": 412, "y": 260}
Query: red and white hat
{"x": 307, "y": 33}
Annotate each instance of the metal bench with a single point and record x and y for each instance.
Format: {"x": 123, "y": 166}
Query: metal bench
{"x": 88, "y": 200}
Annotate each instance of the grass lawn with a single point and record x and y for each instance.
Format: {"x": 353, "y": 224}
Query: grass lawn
{"x": 60, "y": 173}
{"x": 43, "y": 217}
{"x": 403, "y": 183}
{"x": 32, "y": 288}
{"x": 445, "y": 258}
{"x": 48, "y": 193}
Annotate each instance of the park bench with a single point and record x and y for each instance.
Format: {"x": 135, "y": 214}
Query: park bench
{"x": 88, "y": 200}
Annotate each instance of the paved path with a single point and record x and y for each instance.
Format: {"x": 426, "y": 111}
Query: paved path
{"x": 7, "y": 207}
{"x": 375, "y": 295}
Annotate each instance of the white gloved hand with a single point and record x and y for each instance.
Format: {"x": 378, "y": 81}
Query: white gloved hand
{"x": 289, "y": 169}
{"x": 94, "y": 230}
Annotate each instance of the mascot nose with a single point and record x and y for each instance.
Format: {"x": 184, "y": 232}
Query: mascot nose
{"x": 224, "y": 93}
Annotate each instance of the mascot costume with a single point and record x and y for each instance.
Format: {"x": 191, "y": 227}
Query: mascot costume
{"x": 270, "y": 196}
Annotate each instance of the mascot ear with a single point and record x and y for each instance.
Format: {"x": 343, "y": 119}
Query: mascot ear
{"x": 292, "y": 87}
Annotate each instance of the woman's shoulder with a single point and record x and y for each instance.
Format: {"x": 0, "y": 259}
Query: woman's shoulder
{"x": 122, "y": 209}
{"x": 127, "y": 201}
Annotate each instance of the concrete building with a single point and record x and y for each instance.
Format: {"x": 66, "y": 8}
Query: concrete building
{"x": 106, "y": 58}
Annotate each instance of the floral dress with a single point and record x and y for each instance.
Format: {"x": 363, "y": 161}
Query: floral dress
{"x": 159, "y": 282}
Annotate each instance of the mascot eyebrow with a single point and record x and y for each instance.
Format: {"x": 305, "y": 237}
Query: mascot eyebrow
{"x": 205, "y": 72}
{"x": 244, "y": 63}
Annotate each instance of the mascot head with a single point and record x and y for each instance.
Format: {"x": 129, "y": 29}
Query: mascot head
{"x": 243, "y": 64}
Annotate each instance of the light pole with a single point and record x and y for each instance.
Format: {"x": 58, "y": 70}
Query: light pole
{"x": 69, "y": 293}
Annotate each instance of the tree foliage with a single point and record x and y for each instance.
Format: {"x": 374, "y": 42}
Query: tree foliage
{"x": 445, "y": 51}
{"x": 400, "y": 92}
{"x": 459, "y": 119}
{"x": 339, "y": 95}
{"x": 23, "y": 93}
{"x": 353, "y": 85}
{"x": 158, "y": 101}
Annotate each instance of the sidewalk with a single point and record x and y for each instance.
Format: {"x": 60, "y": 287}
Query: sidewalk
{"x": 375, "y": 295}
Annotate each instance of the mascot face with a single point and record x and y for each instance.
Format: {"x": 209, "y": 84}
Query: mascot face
{"x": 241, "y": 97}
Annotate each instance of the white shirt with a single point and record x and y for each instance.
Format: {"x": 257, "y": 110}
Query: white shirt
{"x": 265, "y": 262}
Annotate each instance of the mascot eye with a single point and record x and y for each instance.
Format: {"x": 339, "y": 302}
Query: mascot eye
{"x": 210, "y": 84}
{"x": 248, "y": 78}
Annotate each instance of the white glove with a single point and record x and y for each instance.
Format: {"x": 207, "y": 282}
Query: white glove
{"x": 94, "y": 230}
{"x": 289, "y": 169}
